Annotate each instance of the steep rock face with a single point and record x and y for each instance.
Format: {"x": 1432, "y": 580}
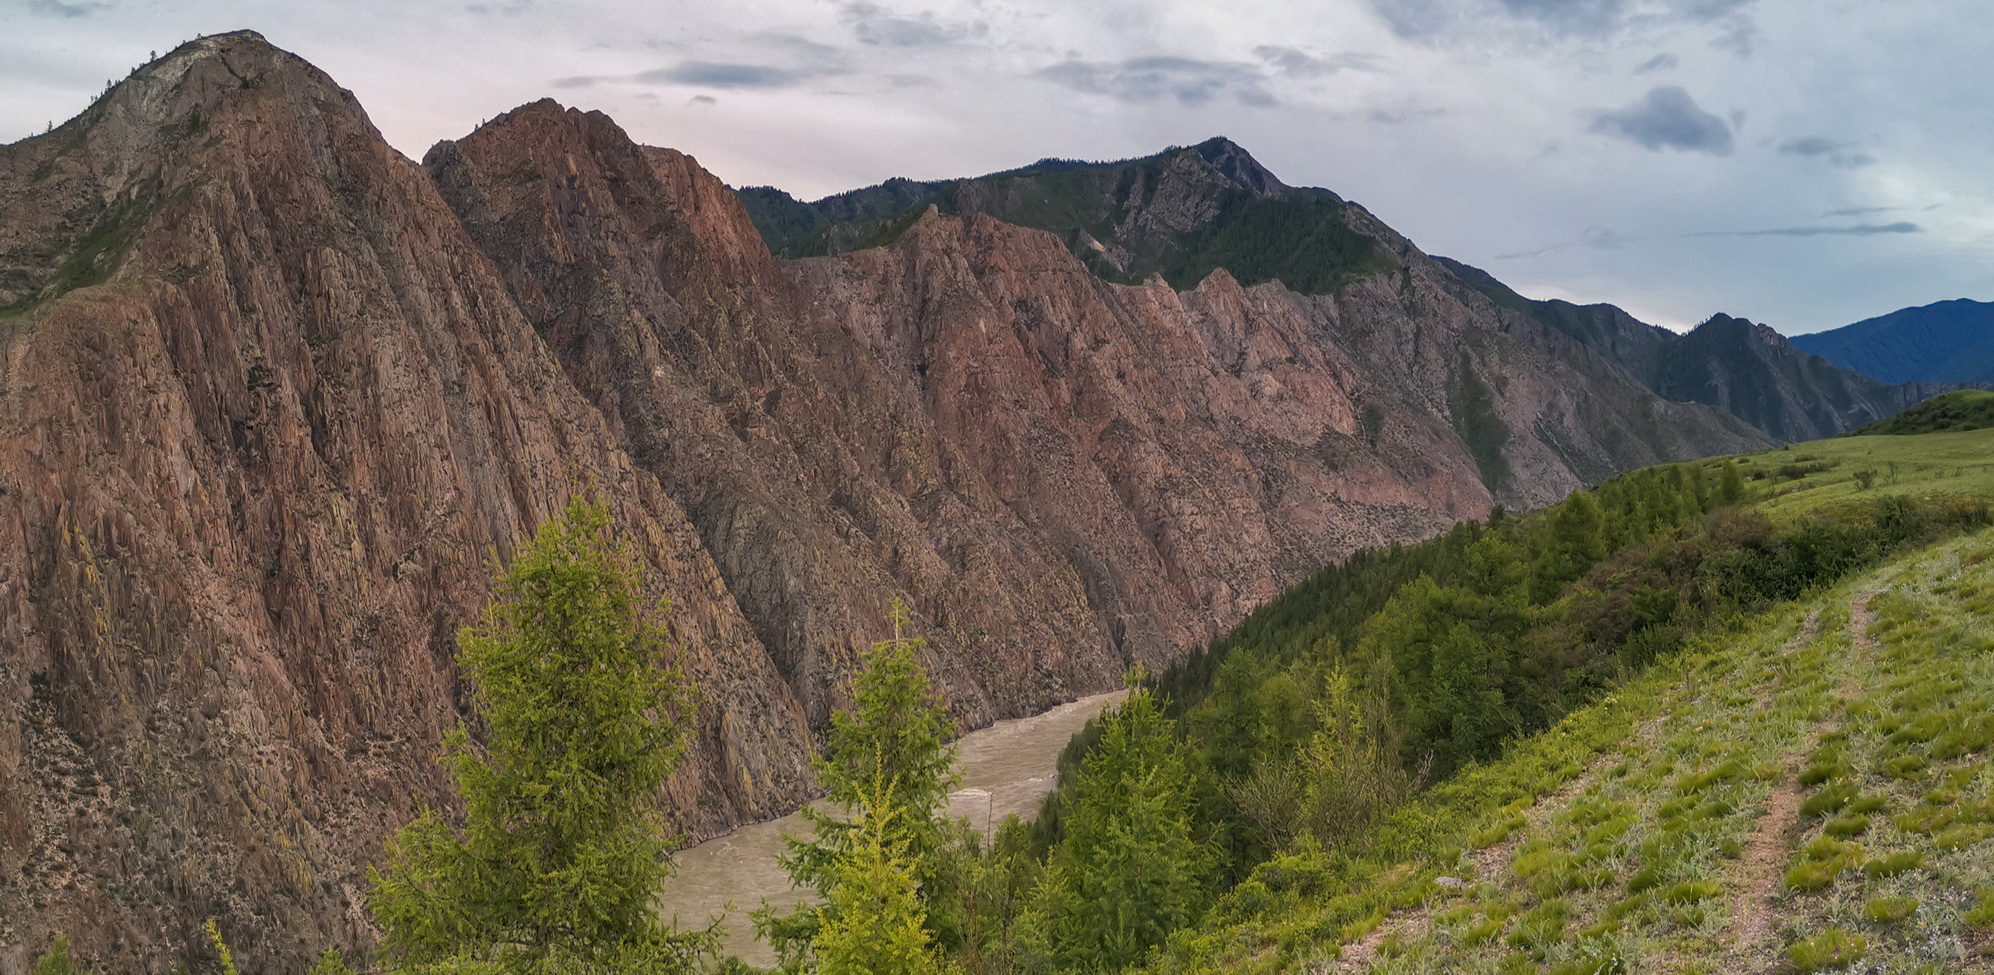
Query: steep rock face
{"x": 813, "y": 473}
{"x": 1059, "y": 474}
{"x": 270, "y": 395}
{"x": 251, "y": 482}
{"x": 1747, "y": 370}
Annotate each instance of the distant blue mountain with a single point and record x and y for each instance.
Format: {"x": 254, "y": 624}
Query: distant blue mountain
{"x": 1946, "y": 342}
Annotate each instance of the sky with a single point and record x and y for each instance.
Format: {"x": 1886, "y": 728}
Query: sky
{"x": 1802, "y": 163}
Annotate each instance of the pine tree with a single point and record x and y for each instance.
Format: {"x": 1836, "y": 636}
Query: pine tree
{"x": 1129, "y": 869}
{"x": 896, "y": 732}
{"x": 1730, "y": 487}
{"x": 56, "y": 961}
{"x": 873, "y": 922}
{"x": 562, "y": 848}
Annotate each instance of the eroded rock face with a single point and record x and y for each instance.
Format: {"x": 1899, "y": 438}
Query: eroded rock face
{"x": 251, "y": 486}
{"x": 271, "y": 395}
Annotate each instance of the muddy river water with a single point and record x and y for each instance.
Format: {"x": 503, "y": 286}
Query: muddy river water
{"x": 1006, "y": 768}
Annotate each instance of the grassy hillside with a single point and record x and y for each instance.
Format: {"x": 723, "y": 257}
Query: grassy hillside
{"x": 1865, "y": 468}
{"x": 1795, "y": 789}
{"x": 1967, "y": 409}
{"x": 1816, "y": 787}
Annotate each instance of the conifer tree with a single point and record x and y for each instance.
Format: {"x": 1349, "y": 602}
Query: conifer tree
{"x": 562, "y": 848}
{"x": 896, "y": 732}
{"x": 56, "y": 960}
{"x": 873, "y": 922}
{"x": 1129, "y": 869}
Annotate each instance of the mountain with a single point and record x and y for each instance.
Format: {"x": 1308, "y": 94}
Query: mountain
{"x": 1748, "y": 370}
{"x": 266, "y": 409}
{"x": 1182, "y": 213}
{"x": 1945, "y": 342}
{"x": 271, "y": 395}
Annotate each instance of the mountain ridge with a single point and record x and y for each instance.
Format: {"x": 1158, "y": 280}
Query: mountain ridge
{"x": 1747, "y": 369}
{"x": 271, "y": 394}
{"x": 1943, "y": 342}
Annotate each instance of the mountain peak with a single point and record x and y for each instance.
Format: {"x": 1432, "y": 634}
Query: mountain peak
{"x": 1236, "y": 164}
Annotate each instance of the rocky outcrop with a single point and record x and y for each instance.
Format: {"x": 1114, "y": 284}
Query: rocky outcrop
{"x": 271, "y": 396}
{"x": 251, "y": 483}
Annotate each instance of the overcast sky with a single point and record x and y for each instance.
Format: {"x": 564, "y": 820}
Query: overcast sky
{"x": 1804, "y": 163}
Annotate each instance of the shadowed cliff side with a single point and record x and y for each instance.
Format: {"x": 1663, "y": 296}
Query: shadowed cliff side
{"x": 265, "y": 412}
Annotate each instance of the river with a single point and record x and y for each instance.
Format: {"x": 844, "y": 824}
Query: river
{"x": 1006, "y": 768}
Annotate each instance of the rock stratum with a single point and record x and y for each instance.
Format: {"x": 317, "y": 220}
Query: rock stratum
{"x": 273, "y": 396}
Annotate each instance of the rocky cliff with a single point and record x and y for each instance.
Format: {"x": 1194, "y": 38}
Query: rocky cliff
{"x": 266, "y": 410}
{"x": 271, "y": 395}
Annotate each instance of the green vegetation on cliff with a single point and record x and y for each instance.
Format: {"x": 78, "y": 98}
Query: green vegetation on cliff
{"x": 1967, "y": 409}
{"x": 1183, "y": 213}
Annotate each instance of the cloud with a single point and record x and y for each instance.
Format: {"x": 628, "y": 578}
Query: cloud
{"x": 57, "y": 8}
{"x": 1571, "y": 16}
{"x": 1858, "y": 230}
{"x": 1667, "y": 118}
{"x": 582, "y": 81}
{"x": 1740, "y": 37}
{"x": 1432, "y": 19}
{"x": 1147, "y": 79}
{"x": 513, "y": 8}
{"x": 702, "y": 100}
{"x": 1593, "y": 238}
{"x": 1301, "y": 64}
{"x": 1401, "y": 116}
{"x": 1860, "y": 211}
{"x": 724, "y": 74}
{"x": 875, "y": 25}
{"x": 1664, "y": 61}
{"x": 1838, "y": 154}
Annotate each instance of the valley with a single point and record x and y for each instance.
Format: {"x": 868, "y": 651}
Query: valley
{"x": 1405, "y": 576}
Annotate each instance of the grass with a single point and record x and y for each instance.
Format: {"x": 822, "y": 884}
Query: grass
{"x": 1628, "y": 845}
{"x": 1933, "y": 465}
{"x": 1631, "y": 830}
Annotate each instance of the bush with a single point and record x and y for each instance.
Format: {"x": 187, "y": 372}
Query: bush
{"x": 1893, "y": 864}
{"x": 1832, "y": 948}
{"x": 1980, "y": 916}
{"x": 56, "y": 960}
{"x": 1830, "y": 799}
{"x": 1890, "y": 910}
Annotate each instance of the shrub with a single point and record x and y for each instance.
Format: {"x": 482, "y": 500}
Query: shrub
{"x": 1892, "y": 864}
{"x": 1830, "y": 799}
{"x": 1832, "y": 948}
{"x": 1480, "y": 933}
{"x": 1980, "y": 916}
{"x": 56, "y": 960}
{"x": 1890, "y": 910}
{"x": 1691, "y": 891}
{"x": 1961, "y": 836}
{"x": 1847, "y": 824}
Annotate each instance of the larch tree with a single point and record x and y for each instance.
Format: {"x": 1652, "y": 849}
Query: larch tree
{"x": 563, "y": 846}
{"x": 895, "y": 737}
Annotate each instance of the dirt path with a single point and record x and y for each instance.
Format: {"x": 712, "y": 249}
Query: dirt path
{"x": 1765, "y": 858}
{"x": 1752, "y": 944}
